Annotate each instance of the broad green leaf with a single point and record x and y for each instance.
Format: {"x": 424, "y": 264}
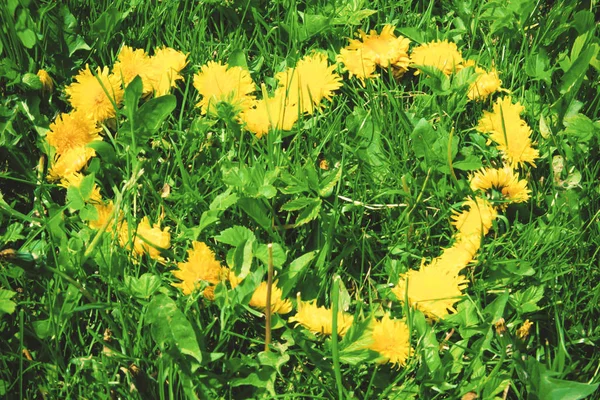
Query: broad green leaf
{"x": 170, "y": 328}
{"x": 326, "y": 187}
{"x": 291, "y": 273}
{"x": 430, "y": 347}
{"x": 574, "y": 76}
{"x": 32, "y": 81}
{"x": 309, "y": 213}
{"x": 133, "y": 93}
{"x": 242, "y": 258}
{"x": 7, "y": 306}
{"x": 297, "y": 204}
{"x": 354, "y": 347}
{"x": 525, "y": 301}
{"x": 257, "y": 211}
{"x": 150, "y": 116}
{"x": 235, "y": 236}
{"x": 43, "y": 328}
{"x": 279, "y": 257}
{"x": 238, "y": 59}
{"x": 546, "y": 387}
{"x": 142, "y": 287}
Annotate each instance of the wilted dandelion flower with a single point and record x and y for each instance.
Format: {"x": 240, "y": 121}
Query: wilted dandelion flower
{"x": 131, "y": 63}
{"x": 164, "y": 70}
{"x": 151, "y": 239}
{"x": 391, "y": 339}
{"x": 219, "y": 83}
{"x": 442, "y": 55}
{"x": 72, "y": 130}
{"x": 503, "y": 179}
{"x": 279, "y": 305}
{"x": 46, "y": 79}
{"x": 275, "y": 112}
{"x": 432, "y": 290}
{"x": 319, "y": 319}
{"x": 523, "y": 331}
{"x": 361, "y": 57}
{"x": 75, "y": 180}
{"x": 71, "y": 161}
{"x": 94, "y": 95}
{"x": 510, "y": 132}
{"x": 485, "y": 84}
{"x": 476, "y": 220}
{"x": 309, "y": 82}
{"x": 200, "y": 266}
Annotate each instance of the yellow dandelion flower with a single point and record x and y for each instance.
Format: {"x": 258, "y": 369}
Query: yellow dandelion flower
{"x": 74, "y": 180}
{"x": 94, "y": 95}
{"x": 219, "y": 83}
{"x": 46, "y": 79}
{"x": 105, "y": 212}
{"x": 151, "y": 239}
{"x": 201, "y": 266}
{"x": 485, "y": 84}
{"x": 72, "y": 130}
{"x": 278, "y": 303}
{"x": 442, "y": 55}
{"x": 524, "y": 330}
{"x": 512, "y": 134}
{"x": 319, "y": 319}
{"x": 431, "y": 290}
{"x": 311, "y": 81}
{"x": 131, "y": 63}
{"x": 164, "y": 71}
{"x": 361, "y": 56}
{"x": 391, "y": 339}
{"x": 504, "y": 179}
{"x": 269, "y": 113}
{"x": 476, "y": 220}
{"x": 69, "y": 162}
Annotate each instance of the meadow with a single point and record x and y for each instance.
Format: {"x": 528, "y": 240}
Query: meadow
{"x": 240, "y": 199}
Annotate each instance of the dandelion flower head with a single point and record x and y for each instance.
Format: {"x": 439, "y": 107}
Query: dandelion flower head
{"x": 503, "y": 179}
{"x": 72, "y": 130}
{"x": 200, "y": 266}
{"x": 105, "y": 210}
{"x": 309, "y": 82}
{"x": 476, "y": 220}
{"x": 391, "y": 339}
{"x": 319, "y": 319}
{"x": 151, "y": 239}
{"x": 275, "y": 112}
{"x": 131, "y": 63}
{"x": 220, "y": 83}
{"x": 512, "y": 134}
{"x": 164, "y": 71}
{"x": 46, "y": 79}
{"x": 485, "y": 83}
{"x": 279, "y": 305}
{"x": 442, "y": 55}
{"x": 71, "y": 161}
{"x": 94, "y": 95}
{"x": 432, "y": 290}
{"x": 361, "y": 56}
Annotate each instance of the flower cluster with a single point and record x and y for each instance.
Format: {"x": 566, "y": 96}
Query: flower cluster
{"x": 95, "y": 97}
{"x": 361, "y": 57}
{"x": 300, "y": 90}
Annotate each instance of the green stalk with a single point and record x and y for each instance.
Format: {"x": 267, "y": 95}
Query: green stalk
{"x": 334, "y": 336}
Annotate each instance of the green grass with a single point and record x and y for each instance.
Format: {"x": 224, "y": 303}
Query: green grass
{"x": 87, "y": 322}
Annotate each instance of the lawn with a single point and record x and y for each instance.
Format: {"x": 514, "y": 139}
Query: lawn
{"x": 278, "y": 199}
